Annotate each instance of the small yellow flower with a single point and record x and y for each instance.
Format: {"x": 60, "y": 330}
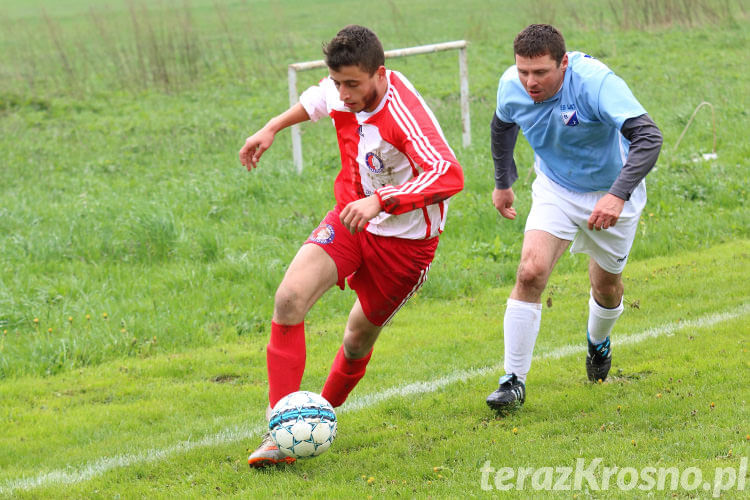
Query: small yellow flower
{"x": 123, "y": 330}
{"x": 88, "y": 316}
{"x": 633, "y": 442}
{"x": 70, "y": 319}
{"x": 619, "y": 407}
{"x": 370, "y": 480}
{"x": 658, "y": 395}
{"x": 712, "y": 404}
{"x": 515, "y": 430}
{"x": 49, "y": 330}
{"x": 104, "y": 315}
{"x": 36, "y": 321}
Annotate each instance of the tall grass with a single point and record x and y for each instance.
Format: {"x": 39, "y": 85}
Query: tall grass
{"x": 145, "y": 46}
{"x": 638, "y": 14}
{"x": 172, "y": 46}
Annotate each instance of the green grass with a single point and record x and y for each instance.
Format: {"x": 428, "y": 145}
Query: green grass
{"x": 138, "y": 259}
{"x": 129, "y": 407}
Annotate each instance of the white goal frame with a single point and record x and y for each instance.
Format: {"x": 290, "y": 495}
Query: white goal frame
{"x": 463, "y": 71}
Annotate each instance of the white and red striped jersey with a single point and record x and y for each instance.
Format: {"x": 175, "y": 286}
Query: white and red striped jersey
{"x": 397, "y": 151}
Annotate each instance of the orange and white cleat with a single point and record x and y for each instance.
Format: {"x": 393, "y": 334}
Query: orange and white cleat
{"x": 268, "y": 454}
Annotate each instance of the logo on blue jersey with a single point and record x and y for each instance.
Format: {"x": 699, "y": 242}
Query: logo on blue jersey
{"x": 569, "y": 118}
{"x": 374, "y": 162}
{"x": 323, "y": 234}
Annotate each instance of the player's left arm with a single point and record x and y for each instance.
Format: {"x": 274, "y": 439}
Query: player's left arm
{"x": 620, "y": 106}
{"x": 645, "y": 144}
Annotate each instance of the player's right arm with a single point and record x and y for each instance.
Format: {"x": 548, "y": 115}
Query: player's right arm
{"x": 503, "y": 139}
{"x": 256, "y": 144}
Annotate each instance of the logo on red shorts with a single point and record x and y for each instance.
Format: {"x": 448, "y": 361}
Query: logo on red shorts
{"x": 323, "y": 234}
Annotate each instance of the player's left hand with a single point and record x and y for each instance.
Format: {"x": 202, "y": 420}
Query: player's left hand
{"x": 606, "y": 212}
{"x": 357, "y": 214}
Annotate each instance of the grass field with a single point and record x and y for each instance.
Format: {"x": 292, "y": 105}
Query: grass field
{"x": 138, "y": 259}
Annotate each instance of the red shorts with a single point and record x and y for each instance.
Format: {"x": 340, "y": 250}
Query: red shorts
{"x": 384, "y": 271}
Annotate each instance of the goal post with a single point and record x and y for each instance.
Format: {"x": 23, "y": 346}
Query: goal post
{"x": 463, "y": 73}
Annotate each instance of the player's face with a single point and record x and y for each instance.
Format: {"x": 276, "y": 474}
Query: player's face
{"x": 359, "y": 90}
{"x": 541, "y": 76}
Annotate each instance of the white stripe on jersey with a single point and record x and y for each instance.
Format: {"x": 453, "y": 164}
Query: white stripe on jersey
{"x": 409, "y": 125}
{"x": 411, "y": 129}
{"x": 408, "y": 115}
{"x": 407, "y": 130}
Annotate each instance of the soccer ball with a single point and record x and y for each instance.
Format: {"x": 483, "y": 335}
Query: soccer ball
{"x": 303, "y": 424}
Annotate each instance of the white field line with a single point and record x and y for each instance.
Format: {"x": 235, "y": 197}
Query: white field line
{"x": 235, "y": 434}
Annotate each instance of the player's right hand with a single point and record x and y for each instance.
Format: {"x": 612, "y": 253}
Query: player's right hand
{"x": 503, "y": 201}
{"x": 255, "y": 146}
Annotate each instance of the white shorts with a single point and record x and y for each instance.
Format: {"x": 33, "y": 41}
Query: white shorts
{"x": 565, "y": 214}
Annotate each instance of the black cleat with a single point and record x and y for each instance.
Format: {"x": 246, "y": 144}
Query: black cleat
{"x": 598, "y": 361}
{"x": 511, "y": 394}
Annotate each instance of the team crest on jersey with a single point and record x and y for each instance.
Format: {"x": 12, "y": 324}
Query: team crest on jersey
{"x": 374, "y": 162}
{"x": 569, "y": 118}
{"x": 360, "y": 132}
{"x": 323, "y": 234}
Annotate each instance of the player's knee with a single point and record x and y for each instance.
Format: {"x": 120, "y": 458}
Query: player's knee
{"x": 289, "y": 306}
{"x": 358, "y": 343}
{"x": 356, "y": 348}
{"x": 608, "y": 294}
{"x": 531, "y": 276}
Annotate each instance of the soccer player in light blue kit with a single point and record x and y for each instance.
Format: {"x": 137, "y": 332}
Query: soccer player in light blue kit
{"x": 593, "y": 146}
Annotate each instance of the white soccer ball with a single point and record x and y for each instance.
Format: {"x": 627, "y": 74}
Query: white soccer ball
{"x": 303, "y": 424}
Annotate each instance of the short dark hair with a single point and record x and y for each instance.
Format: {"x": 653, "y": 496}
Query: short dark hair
{"x": 540, "y": 39}
{"x": 355, "y": 46}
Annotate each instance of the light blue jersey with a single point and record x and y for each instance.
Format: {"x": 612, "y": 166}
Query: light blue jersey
{"x": 576, "y": 133}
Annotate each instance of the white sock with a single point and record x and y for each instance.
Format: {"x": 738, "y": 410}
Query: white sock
{"x": 601, "y": 320}
{"x": 520, "y": 327}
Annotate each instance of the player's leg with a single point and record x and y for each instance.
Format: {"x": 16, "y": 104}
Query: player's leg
{"x": 392, "y": 271}
{"x": 310, "y": 274}
{"x": 605, "y": 306}
{"x": 608, "y": 251}
{"x": 351, "y": 360}
{"x": 540, "y": 252}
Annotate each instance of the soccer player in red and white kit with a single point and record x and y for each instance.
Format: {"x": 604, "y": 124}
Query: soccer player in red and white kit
{"x": 397, "y": 173}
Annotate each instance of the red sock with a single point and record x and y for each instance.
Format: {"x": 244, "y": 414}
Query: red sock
{"x": 285, "y": 359}
{"x": 344, "y": 375}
